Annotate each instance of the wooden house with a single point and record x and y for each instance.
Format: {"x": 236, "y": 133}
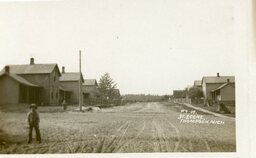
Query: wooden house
{"x": 225, "y": 93}
{"x": 90, "y": 89}
{"x": 31, "y": 83}
{"x": 210, "y": 83}
{"x": 69, "y": 82}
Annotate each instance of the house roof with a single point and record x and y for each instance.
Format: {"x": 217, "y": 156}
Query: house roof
{"x": 20, "y": 79}
{"x": 31, "y": 69}
{"x": 197, "y": 83}
{"x": 91, "y": 90}
{"x": 71, "y": 76}
{"x": 222, "y": 86}
{"x": 90, "y": 82}
{"x": 221, "y": 79}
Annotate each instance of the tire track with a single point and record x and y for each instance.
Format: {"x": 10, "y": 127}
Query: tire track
{"x": 177, "y": 144}
{"x": 117, "y": 138}
{"x": 131, "y": 140}
{"x": 161, "y": 138}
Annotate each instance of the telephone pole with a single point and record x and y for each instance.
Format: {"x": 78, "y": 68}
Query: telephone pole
{"x": 80, "y": 83}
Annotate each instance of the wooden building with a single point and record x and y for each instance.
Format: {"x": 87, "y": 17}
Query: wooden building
{"x": 32, "y": 82}
{"x": 90, "y": 89}
{"x": 198, "y": 84}
{"x": 210, "y": 83}
{"x": 91, "y": 92}
{"x": 179, "y": 94}
{"x": 69, "y": 82}
{"x": 225, "y": 93}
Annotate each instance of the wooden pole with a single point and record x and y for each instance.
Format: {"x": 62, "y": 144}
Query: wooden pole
{"x": 80, "y": 83}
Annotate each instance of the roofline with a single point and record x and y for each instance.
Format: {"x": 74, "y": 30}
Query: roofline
{"x": 220, "y": 87}
{"x": 55, "y": 64}
{"x": 13, "y": 78}
{"x": 73, "y": 73}
{"x": 68, "y": 80}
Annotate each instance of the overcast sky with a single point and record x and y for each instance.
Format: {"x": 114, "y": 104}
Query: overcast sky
{"x": 147, "y": 46}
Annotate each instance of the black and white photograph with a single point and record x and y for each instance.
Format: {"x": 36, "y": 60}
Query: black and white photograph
{"x": 120, "y": 76}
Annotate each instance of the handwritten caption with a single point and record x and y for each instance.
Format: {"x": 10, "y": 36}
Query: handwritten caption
{"x": 187, "y": 116}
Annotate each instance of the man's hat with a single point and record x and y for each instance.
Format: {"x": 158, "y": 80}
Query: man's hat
{"x": 33, "y": 106}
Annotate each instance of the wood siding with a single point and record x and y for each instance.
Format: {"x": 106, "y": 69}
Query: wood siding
{"x": 48, "y": 84}
{"x": 73, "y": 87}
{"x": 9, "y": 90}
{"x": 227, "y": 93}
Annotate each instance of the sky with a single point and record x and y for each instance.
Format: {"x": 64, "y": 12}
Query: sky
{"x": 147, "y": 46}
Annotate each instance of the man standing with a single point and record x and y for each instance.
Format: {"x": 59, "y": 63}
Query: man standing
{"x": 33, "y": 122}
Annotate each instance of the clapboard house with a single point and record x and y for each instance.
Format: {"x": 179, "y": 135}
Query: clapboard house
{"x": 30, "y": 83}
{"x": 91, "y": 92}
{"x": 90, "y": 89}
{"x": 69, "y": 82}
{"x": 211, "y": 84}
{"x": 225, "y": 93}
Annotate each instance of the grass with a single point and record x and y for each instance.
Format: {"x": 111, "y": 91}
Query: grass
{"x": 213, "y": 108}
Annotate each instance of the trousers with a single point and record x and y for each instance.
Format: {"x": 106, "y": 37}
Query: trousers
{"x": 38, "y": 136}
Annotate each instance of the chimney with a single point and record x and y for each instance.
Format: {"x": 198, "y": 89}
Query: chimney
{"x": 7, "y": 69}
{"x": 32, "y": 61}
{"x": 218, "y": 74}
{"x": 63, "y": 69}
{"x": 228, "y": 81}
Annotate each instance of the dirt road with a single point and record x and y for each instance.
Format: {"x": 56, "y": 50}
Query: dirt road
{"x": 139, "y": 127}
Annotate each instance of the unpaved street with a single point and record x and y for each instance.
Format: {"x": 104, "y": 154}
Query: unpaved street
{"x": 138, "y": 127}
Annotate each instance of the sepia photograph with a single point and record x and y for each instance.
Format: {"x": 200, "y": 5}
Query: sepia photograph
{"x": 118, "y": 76}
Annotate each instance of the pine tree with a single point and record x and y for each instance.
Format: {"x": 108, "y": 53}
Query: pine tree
{"x": 106, "y": 86}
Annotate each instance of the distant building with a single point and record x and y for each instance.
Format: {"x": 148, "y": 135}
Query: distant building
{"x": 210, "y": 83}
{"x": 116, "y": 94}
{"x": 198, "y": 84}
{"x": 30, "y": 83}
{"x": 179, "y": 94}
{"x": 69, "y": 82}
{"x": 90, "y": 89}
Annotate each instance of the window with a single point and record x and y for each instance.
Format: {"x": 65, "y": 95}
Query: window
{"x": 54, "y": 76}
{"x": 57, "y": 93}
{"x": 52, "y": 92}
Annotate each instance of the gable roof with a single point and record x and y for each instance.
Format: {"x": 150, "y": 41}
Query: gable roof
{"x": 71, "y": 76}
{"x": 197, "y": 83}
{"x": 91, "y": 90}
{"x": 32, "y": 69}
{"x": 222, "y": 86}
{"x": 90, "y": 82}
{"x": 215, "y": 79}
{"x": 20, "y": 80}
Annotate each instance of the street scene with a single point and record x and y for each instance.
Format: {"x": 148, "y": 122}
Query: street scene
{"x": 138, "y": 127}
{"x": 116, "y": 76}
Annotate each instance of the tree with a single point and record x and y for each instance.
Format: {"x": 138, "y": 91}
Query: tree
{"x": 195, "y": 93}
{"x": 106, "y": 86}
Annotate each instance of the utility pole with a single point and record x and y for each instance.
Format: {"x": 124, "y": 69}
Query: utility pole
{"x": 80, "y": 83}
